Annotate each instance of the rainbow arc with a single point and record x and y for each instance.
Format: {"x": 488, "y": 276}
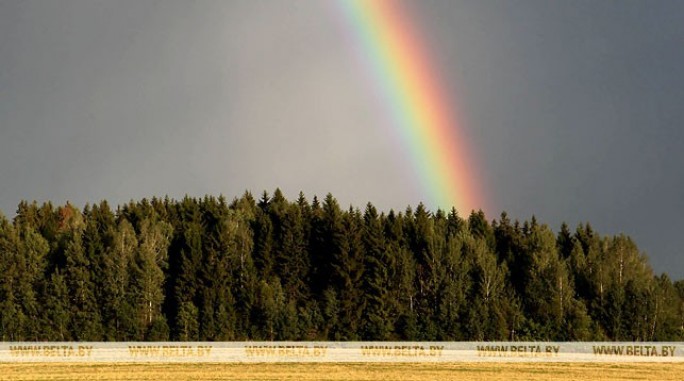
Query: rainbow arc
{"x": 422, "y": 112}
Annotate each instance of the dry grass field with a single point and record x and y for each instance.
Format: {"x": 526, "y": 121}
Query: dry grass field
{"x": 303, "y": 372}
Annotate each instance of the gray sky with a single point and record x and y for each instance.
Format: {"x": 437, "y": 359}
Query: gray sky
{"x": 574, "y": 109}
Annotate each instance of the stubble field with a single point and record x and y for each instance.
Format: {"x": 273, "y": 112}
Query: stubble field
{"x": 303, "y": 372}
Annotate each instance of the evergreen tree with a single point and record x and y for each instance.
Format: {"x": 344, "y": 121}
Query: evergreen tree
{"x": 292, "y": 259}
{"x": 117, "y": 310}
{"x": 428, "y": 270}
{"x": 57, "y": 311}
{"x": 264, "y": 257}
{"x": 238, "y": 247}
{"x": 347, "y": 273}
{"x": 406, "y": 293}
{"x": 11, "y": 316}
{"x": 149, "y": 263}
{"x": 454, "y": 288}
{"x": 378, "y": 280}
{"x": 33, "y": 250}
{"x": 679, "y": 306}
{"x": 480, "y": 228}
{"x": 216, "y": 313}
{"x": 326, "y": 235}
{"x": 97, "y": 236}
{"x": 84, "y": 310}
{"x": 200, "y": 269}
{"x": 187, "y": 322}
{"x": 185, "y": 260}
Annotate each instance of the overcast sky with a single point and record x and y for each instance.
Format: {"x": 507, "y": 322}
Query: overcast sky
{"x": 574, "y": 109}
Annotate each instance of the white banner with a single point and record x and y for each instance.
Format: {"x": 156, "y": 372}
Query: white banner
{"x": 339, "y": 352}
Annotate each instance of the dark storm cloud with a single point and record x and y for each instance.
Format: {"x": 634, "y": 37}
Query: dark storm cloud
{"x": 577, "y": 109}
{"x": 574, "y": 108}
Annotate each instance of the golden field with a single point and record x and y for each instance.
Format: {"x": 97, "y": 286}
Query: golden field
{"x": 303, "y": 372}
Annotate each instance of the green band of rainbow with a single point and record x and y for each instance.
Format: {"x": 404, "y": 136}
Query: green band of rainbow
{"x": 423, "y": 114}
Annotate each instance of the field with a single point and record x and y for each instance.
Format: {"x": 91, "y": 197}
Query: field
{"x": 303, "y": 372}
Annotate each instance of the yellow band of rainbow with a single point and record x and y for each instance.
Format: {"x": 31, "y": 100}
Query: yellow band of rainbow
{"x": 423, "y": 114}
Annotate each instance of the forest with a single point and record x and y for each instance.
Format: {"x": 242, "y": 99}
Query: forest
{"x": 205, "y": 269}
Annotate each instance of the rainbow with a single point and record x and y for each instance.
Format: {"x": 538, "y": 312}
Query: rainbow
{"x": 421, "y": 111}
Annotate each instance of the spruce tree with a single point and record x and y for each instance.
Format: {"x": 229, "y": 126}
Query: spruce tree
{"x": 117, "y": 309}
{"x": 84, "y": 310}
{"x": 379, "y": 324}
{"x": 347, "y": 273}
{"x": 57, "y": 309}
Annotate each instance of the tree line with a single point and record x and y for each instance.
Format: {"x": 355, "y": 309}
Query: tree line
{"x": 271, "y": 269}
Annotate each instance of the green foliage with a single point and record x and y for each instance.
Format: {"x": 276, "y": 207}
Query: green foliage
{"x": 84, "y": 311}
{"x": 149, "y": 263}
{"x": 205, "y": 269}
{"x": 117, "y": 308}
{"x": 378, "y": 281}
{"x": 57, "y": 315}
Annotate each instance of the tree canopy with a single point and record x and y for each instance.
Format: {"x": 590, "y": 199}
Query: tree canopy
{"x": 272, "y": 269}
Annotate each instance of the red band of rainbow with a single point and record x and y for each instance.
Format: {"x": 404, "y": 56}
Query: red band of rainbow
{"x": 423, "y": 113}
